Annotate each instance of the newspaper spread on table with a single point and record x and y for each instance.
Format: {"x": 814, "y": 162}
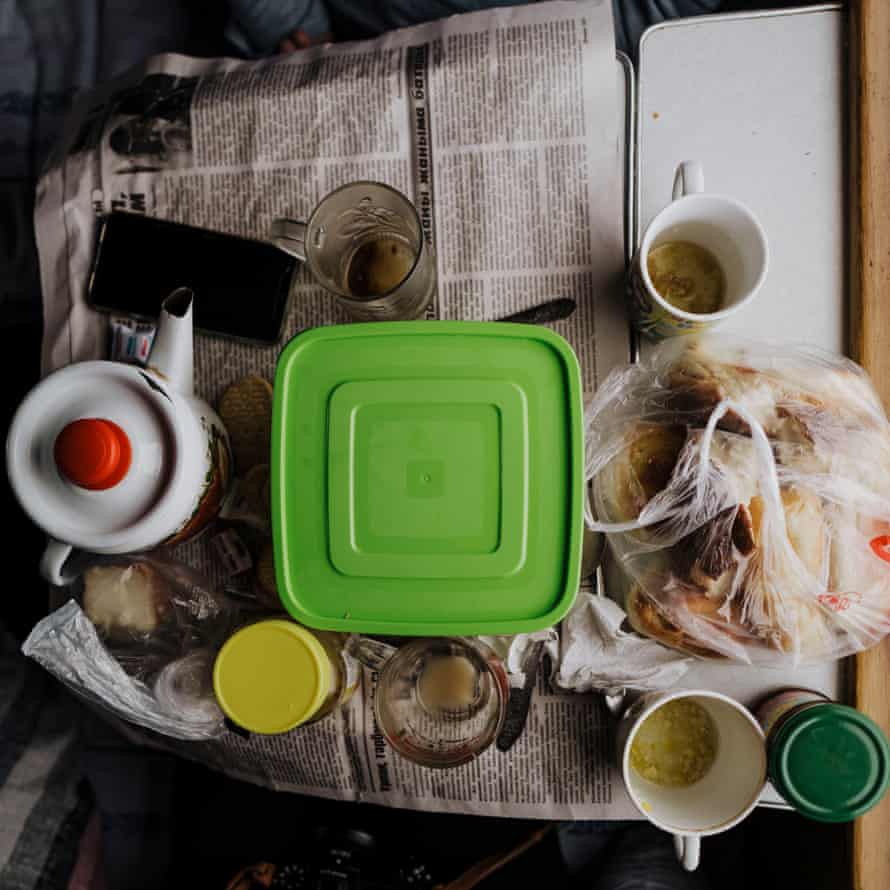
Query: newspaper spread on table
{"x": 502, "y": 126}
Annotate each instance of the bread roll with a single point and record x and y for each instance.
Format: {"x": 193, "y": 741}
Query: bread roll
{"x": 642, "y": 469}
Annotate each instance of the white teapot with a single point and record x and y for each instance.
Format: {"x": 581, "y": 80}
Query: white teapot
{"x": 113, "y": 458}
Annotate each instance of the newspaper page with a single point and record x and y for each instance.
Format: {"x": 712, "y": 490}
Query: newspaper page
{"x": 559, "y": 768}
{"x": 502, "y": 127}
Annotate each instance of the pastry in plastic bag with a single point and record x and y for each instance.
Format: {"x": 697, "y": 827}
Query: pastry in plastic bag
{"x": 124, "y": 601}
{"x": 141, "y": 642}
{"x": 150, "y": 609}
{"x": 745, "y": 490}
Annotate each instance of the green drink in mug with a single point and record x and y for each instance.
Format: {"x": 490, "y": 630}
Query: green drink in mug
{"x": 702, "y": 259}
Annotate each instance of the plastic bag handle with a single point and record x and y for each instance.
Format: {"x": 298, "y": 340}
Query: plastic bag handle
{"x": 763, "y": 455}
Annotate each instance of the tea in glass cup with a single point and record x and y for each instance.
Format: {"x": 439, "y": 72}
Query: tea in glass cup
{"x": 365, "y": 244}
{"x": 440, "y": 701}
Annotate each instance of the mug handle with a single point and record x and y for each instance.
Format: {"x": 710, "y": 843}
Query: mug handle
{"x": 614, "y": 698}
{"x": 688, "y": 850}
{"x": 52, "y": 563}
{"x": 689, "y": 179}
{"x": 372, "y": 654}
{"x": 289, "y": 235}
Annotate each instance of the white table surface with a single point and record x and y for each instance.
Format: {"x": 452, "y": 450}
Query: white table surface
{"x": 759, "y": 101}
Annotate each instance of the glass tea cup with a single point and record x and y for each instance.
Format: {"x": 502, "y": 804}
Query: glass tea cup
{"x": 440, "y": 702}
{"x": 365, "y": 244}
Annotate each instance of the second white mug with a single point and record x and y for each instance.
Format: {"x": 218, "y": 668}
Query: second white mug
{"x": 724, "y": 796}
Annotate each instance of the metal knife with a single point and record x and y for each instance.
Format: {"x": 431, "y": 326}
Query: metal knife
{"x": 552, "y": 310}
{"x": 520, "y": 700}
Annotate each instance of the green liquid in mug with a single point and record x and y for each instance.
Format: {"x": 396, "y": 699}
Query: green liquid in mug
{"x": 688, "y": 276}
{"x": 676, "y": 745}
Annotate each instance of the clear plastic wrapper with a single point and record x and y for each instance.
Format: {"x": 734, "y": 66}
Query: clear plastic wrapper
{"x": 150, "y": 603}
{"x": 140, "y": 639}
{"x": 67, "y": 645}
{"x": 745, "y": 491}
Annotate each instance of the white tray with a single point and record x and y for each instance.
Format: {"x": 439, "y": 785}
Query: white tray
{"x": 758, "y": 98}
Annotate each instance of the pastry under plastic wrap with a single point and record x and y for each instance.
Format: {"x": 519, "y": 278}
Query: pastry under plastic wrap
{"x": 745, "y": 490}
{"x": 125, "y": 601}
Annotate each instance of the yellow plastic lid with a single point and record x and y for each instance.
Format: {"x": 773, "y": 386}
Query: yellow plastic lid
{"x": 271, "y": 676}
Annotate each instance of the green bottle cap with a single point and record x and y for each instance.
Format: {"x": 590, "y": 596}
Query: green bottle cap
{"x": 830, "y": 762}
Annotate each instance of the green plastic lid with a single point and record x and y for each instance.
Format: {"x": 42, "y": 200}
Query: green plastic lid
{"x": 830, "y": 762}
{"x": 427, "y": 478}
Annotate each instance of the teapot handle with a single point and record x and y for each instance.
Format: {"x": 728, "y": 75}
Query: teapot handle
{"x": 52, "y": 563}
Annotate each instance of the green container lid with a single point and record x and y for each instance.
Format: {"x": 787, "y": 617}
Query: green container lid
{"x": 830, "y": 762}
{"x": 427, "y": 478}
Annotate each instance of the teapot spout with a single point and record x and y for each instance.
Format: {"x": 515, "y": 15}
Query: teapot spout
{"x": 172, "y": 355}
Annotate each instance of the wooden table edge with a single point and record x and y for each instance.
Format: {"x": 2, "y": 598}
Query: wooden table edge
{"x": 868, "y": 50}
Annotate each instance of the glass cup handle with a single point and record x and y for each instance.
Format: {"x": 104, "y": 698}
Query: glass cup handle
{"x": 289, "y": 235}
{"x": 688, "y": 850}
{"x": 689, "y": 179}
{"x": 371, "y": 653}
{"x": 614, "y": 698}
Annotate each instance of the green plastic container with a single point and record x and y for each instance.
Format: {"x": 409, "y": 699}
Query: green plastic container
{"x": 427, "y": 478}
{"x": 830, "y": 762}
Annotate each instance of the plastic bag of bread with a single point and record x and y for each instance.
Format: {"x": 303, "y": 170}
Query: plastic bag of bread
{"x": 745, "y": 491}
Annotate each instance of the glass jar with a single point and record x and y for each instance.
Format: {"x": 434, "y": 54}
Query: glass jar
{"x": 828, "y": 761}
{"x": 275, "y": 675}
{"x": 778, "y": 706}
{"x": 346, "y": 669}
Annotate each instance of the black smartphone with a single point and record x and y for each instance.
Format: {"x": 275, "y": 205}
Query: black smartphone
{"x": 241, "y": 286}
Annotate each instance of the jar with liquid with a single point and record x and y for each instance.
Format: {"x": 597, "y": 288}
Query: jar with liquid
{"x": 439, "y": 702}
{"x": 275, "y": 675}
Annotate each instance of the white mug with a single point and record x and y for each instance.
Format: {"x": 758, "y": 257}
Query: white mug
{"x": 724, "y": 796}
{"x": 724, "y": 226}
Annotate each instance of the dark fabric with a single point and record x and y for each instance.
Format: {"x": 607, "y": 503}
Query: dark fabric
{"x": 259, "y": 25}
{"x": 134, "y": 793}
{"x": 63, "y": 853}
{"x": 643, "y": 858}
{"x": 43, "y": 807}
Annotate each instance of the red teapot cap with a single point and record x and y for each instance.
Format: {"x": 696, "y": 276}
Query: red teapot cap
{"x": 93, "y": 453}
